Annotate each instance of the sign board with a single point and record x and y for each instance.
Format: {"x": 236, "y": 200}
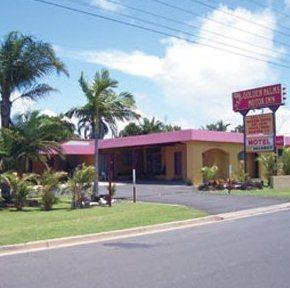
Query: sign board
{"x": 259, "y": 124}
{"x": 258, "y": 98}
{"x": 279, "y": 142}
{"x": 259, "y": 143}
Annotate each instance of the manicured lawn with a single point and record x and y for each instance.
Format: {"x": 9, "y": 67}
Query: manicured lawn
{"x": 266, "y": 192}
{"x": 33, "y": 224}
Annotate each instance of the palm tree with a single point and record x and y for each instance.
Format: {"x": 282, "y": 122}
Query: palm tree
{"x": 239, "y": 129}
{"x": 48, "y": 182}
{"x": 80, "y": 183}
{"x": 151, "y": 126}
{"x": 131, "y": 129}
{"x": 169, "y": 128}
{"x": 103, "y": 109}
{"x": 33, "y": 137}
{"x": 218, "y": 126}
{"x": 20, "y": 187}
{"x": 23, "y": 61}
{"x": 286, "y": 161}
{"x": 270, "y": 163}
{"x": 147, "y": 126}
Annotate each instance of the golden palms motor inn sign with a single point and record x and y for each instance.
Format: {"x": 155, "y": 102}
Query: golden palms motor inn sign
{"x": 260, "y": 130}
{"x": 263, "y": 97}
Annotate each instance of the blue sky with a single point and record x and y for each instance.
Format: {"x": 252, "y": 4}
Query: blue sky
{"x": 185, "y": 83}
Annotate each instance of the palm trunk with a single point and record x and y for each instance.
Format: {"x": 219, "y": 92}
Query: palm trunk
{"x": 96, "y": 162}
{"x": 5, "y": 109}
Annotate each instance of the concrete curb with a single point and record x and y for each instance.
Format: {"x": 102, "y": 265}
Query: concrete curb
{"x": 132, "y": 232}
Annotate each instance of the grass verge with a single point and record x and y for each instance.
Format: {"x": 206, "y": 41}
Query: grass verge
{"x": 266, "y": 192}
{"x": 33, "y": 224}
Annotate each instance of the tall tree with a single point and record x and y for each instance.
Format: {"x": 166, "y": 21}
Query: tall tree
{"x": 147, "y": 126}
{"x": 103, "y": 109}
{"x": 218, "y": 126}
{"x": 33, "y": 137}
{"x": 23, "y": 62}
{"x": 131, "y": 129}
{"x": 239, "y": 129}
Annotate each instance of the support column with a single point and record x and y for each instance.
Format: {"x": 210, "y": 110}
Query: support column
{"x": 194, "y": 163}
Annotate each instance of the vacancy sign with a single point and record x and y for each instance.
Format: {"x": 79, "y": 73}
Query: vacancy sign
{"x": 259, "y": 124}
{"x": 259, "y": 133}
{"x": 260, "y": 143}
{"x": 267, "y": 96}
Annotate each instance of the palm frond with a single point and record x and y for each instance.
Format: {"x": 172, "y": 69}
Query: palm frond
{"x": 36, "y": 92}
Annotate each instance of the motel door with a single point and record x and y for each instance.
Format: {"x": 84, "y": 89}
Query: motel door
{"x": 178, "y": 164}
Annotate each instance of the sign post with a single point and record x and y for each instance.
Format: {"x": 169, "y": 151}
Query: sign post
{"x": 244, "y": 114}
{"x": 111, "y": 163}
{"x": 134, "y": 185}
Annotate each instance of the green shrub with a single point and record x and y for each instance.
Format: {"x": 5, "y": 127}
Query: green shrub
{"x": 239, "y": 175}
{"x": 20, "y": 187}
{"x": 285, "y": 159}
{"x": 48, "y": 183}
{"x": 209, "y": 173}
{"x": 271, "y": 164}
{"x": 80, "y": 183}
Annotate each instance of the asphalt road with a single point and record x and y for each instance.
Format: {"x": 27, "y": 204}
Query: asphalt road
{"x": 251, "y": 252}
{"x": 186, "y": 195}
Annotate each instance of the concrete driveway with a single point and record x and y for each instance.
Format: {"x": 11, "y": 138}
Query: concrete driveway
{"x": 177, "y": 193}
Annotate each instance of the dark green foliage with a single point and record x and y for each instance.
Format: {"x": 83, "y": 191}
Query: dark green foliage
{"x": 20, "y": 187}
{"x": 48, "y": 183}
{"x": 218, "y": 126}
{"x": 33, "y": 137}
{"x": 147, "y": 126}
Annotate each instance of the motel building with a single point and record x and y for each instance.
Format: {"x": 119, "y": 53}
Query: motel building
{"x": 171, "y": 156}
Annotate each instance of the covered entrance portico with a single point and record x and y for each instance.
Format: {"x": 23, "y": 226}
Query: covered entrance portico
{"x": 151, "y": 162}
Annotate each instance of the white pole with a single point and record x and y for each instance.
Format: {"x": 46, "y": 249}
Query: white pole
{"x": 230, "y": 170}
{"x": 134, "y": 185}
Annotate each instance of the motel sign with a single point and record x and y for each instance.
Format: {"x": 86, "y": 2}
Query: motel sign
{"x": 258, "y": 98}
{"x": 260, "y": 130}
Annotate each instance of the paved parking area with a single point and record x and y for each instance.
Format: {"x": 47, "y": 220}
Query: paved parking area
{"x": 176, "y": 193}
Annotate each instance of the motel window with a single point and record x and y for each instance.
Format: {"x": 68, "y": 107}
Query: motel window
{"x": 178, "y": 163}
{"x": 154, "y": 161}
{"x": 127, "y": 158}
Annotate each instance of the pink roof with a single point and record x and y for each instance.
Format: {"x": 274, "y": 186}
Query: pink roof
{"x": 83, "y": 147}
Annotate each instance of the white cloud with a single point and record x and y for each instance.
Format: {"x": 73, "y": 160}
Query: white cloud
{"x": 48, "y": 112}
{"x": 20, "y": 106}
{"x": 106, "y": 5}
{"x": 197, "y": 81}
{"x": 283, "y": 121}
{"x": 287, "y": 3}
{"x": 135, "y": 63}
